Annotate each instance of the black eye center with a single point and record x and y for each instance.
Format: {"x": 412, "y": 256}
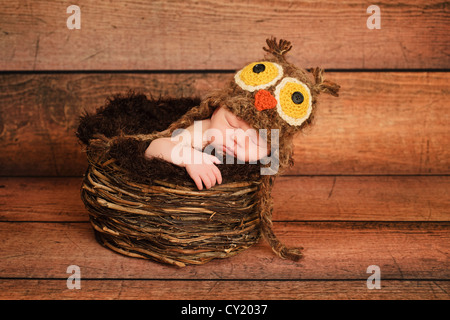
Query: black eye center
{"x": 297, "y": 97}
{"x": 258, "y": 68}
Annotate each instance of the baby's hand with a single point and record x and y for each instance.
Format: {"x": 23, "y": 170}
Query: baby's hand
{"x": 205, "y": 173}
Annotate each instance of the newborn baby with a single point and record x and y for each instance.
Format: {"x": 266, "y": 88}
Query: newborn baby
{"x": 224, "y": 132}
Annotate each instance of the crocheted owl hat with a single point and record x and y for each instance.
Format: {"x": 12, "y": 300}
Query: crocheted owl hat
{"x": 269, "y": 94}
{"x": 283, "y": 95}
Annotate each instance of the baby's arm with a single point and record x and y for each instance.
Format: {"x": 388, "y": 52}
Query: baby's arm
{"x": 205, "y": 172}
{"x": 160, "y": 148}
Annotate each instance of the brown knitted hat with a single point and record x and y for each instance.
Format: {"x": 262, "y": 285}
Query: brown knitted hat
{"x": 274, "y": 94}
{"x": 270, "y": 93}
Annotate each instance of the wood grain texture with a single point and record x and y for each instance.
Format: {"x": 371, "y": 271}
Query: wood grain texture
{"x": 39, "y": 114}
{"x": 370, "y": 184}
{"x": 296, "y": 198}
{"x": 356, "y": 198}
{"x": 222, "y": 290}
{"x": 382, "y": 123}
{"x": 41, "y": 199}
{"x": 333, "y": 250}
{"x": 186, "y": 35}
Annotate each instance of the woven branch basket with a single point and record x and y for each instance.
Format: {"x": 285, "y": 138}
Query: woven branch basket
{"x": 169, "y": 223}
{"x": 162, "y": 217}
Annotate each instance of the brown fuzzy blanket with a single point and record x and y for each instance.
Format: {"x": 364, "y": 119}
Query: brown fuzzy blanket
{"x": 134, "y": 114}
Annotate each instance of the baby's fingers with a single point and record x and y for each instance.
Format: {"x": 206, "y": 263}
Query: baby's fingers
{"x": 198, "y": 182}
{"x": 214, "y": 175}
{"x": 217, "y": 174}
{"x": 210, "y": 159}
{"x": 207, "y": 180}
{"x": 212, "y": 178}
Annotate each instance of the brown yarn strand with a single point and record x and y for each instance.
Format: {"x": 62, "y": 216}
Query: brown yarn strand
{"x": 322, "y": 85}
{"x": 278, "y": 49}
{"x": 265, "y": 210}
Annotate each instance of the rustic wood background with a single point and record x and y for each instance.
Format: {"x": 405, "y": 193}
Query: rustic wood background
{"x": 371, "y": 181}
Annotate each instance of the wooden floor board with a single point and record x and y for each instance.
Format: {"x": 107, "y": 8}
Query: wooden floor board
{"x": 296, "y": 198}
{"x": 406, "y": 132}
{"x": 222, "y": 290}
{"x": 183, "y": 35}
{"x": 333, "y": 250}
{"x": 397, "y": 223}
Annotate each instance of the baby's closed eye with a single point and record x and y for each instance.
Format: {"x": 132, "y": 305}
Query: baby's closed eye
{"x": 231, "y": 123}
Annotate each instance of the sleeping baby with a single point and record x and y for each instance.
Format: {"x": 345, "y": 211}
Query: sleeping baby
{"x": 224, "y": 132}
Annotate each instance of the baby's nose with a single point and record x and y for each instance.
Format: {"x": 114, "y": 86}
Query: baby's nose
{"x": 264, "y": 100}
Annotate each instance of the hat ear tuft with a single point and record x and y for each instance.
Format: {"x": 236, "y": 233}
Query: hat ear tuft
{"x": 322, "y": 85}
{"x": 278, "y": 49}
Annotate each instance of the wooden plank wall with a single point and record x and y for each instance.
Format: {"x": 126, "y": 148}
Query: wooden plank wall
{"x": 370, "y": 183}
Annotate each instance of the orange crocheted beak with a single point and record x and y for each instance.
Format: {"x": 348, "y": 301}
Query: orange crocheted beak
{"x": 264, "y": 100}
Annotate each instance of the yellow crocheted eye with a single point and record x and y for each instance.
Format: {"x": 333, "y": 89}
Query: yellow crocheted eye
{"x": 294, "y": 101}
{"x": 258, "y": 75}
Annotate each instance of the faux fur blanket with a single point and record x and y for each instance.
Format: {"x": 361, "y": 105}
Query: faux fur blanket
{"x": 125, "y": 116}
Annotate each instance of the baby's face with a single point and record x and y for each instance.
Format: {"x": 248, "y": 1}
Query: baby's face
{"x": 236, "y": 137}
